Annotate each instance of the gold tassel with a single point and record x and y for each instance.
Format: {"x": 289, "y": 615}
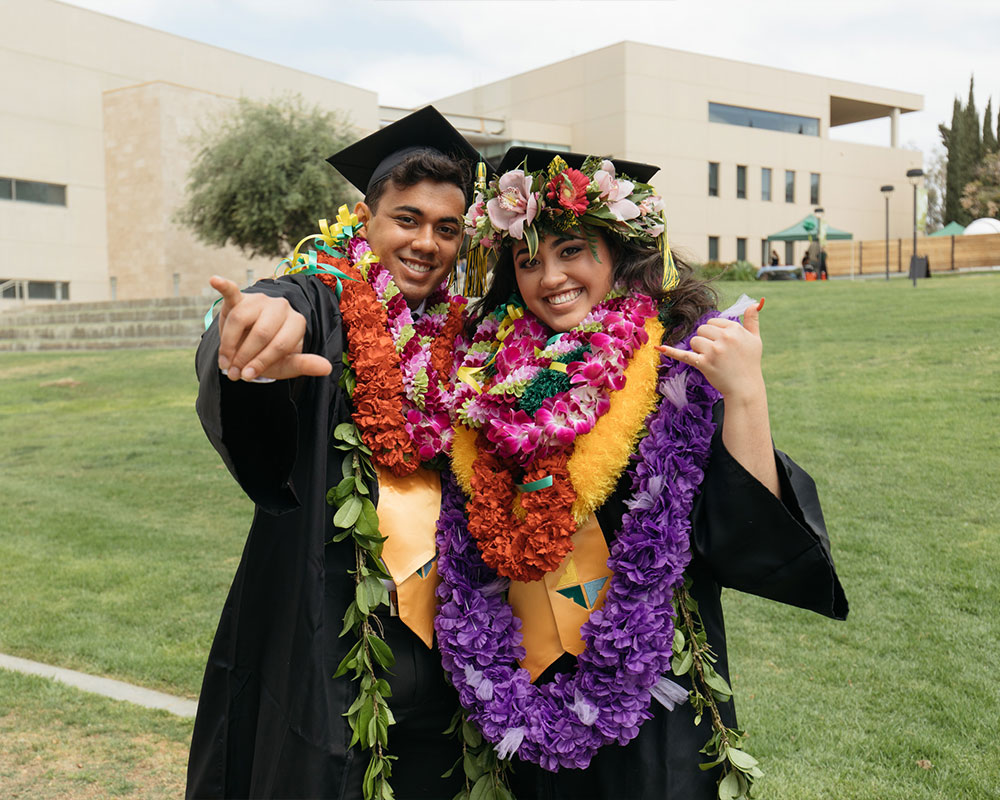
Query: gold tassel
{"x": 670, "y": 276}
{"x": 476, "y": 256}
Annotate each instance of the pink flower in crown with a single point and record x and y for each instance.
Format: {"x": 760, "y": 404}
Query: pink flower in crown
{"x": 515, "y": 206}
{"x": 651, "y": 205}
{"x": 616, "y": 192}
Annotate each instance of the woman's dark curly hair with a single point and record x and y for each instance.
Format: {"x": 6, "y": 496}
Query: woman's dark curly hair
{"x": 635, "y": 265}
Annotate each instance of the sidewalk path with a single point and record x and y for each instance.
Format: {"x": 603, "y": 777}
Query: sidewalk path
{"x": 118, "y": 690}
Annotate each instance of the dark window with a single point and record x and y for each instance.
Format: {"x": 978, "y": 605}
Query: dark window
{"x": 52, "y": 194}
{"x": 741, "y": 249}
{"x": 814, "y": 188}
{"x": 765, "y": 184}
{"x": 741, "y": 183}
{"x": 789, "y": 186}
{"x": 768, "y": 120}
{"x": 765, "y": 254}
{"x": 713, "y": 179}
{"x": 789, "y": 252}
{"x": 713, "y": 248}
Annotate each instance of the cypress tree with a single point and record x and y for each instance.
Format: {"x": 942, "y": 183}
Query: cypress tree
{"x": 989, "y": 140}
{"x": 951, "y": 138}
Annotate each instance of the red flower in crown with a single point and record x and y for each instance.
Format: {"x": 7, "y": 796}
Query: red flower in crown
{"x": 569, "y": 188}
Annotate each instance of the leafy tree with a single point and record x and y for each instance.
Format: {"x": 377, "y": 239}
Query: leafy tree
{"x": 981, "y": 197}
{"x": 260, "y": 180}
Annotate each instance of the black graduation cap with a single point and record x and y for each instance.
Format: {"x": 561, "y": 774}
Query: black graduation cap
{"x": 366, "y": 162}
{"x": 540, "y": 159}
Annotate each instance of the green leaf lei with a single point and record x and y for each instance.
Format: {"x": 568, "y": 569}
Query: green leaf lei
{"x": 369, "y": 715}
{"x": 485, "y": 774}
{"x": 693, "y": 654}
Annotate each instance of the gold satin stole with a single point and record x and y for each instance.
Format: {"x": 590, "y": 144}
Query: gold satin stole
{"x": 552, "y": 610}
{"x": 408, "y": 510}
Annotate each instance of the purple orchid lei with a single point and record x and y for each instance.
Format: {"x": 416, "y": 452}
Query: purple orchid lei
{"x": 628, "y": 641}
{"x": 611, "y": 332}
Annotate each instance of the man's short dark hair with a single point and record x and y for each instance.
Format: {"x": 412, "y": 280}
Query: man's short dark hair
{"x": 426, "y": 165}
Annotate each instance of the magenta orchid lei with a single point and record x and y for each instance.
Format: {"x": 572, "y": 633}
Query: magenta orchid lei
{"x": 563, "y": 724}
{"x": 428, "y": 397}
{"x": 610, "y": 334}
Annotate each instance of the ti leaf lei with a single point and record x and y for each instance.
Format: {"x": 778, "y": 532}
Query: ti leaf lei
{"x": 399, "y": 375}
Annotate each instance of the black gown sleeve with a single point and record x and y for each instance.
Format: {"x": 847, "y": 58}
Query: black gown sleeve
{"x": 255, "y": 426}
{"x": 752, "y": 541}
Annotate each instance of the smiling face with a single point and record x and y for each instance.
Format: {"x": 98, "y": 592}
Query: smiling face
{"x": 564, "y": 280}
{"x": 416, "y": 233}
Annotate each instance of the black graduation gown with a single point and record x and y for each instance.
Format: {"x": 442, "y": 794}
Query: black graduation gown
{"x": 743, "y": 538}
{"x": 270, "y": 717}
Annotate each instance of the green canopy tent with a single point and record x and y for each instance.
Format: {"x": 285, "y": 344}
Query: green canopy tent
{"x": 951, "y": 229}
{"x": 807, "y": 229}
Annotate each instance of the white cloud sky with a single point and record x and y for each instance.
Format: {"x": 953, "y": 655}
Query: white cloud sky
{"x": 413, "y": 51}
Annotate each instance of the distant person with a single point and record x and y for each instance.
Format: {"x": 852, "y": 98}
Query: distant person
{"x": 806, "y": 266}
{"x": 774, "y": 258}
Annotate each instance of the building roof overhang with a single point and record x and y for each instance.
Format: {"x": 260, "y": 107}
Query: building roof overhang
{"x": 845, "y": 110}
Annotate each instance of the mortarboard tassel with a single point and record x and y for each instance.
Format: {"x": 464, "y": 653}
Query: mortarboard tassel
{"x": 476, "y": 257}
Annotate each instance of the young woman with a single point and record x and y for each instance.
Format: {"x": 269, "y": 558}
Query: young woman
{"x": 607, "y": 486}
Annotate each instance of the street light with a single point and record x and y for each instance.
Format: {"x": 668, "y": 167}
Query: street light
{"x": 914, "y": 175}
{"x": 887, "y": 190}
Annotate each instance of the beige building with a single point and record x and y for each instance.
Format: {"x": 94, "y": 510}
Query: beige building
{"x": 97, "y": 115}
{"x": 744, "y": 150}
{"x": 95, "y": 120}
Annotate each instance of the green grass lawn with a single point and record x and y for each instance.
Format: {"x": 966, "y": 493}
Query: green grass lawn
{"x": 120, "y": 533}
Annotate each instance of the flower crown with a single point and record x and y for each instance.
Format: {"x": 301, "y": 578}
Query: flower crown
{"x": 526, "y": 205}
{"x": 520, "y": 205}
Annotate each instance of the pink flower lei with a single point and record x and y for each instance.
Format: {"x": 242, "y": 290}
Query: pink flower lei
{"x": 428, "y": 394}
{"x": 512, "y": 352}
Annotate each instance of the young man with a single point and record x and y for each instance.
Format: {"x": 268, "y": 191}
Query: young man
{"x": 271, "y": 718}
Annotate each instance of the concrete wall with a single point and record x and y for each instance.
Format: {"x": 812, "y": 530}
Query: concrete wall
{"x": 56, "y": 64}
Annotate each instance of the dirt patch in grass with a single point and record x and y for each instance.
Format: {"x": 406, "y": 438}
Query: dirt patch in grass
{"x": 43, "y": 759}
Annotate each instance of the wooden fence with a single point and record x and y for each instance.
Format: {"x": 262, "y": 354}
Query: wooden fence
{"x": 945, "y": 253}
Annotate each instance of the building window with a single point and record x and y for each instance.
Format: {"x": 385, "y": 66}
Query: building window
{"x": 34, "y": 290}
{"x": 713, "y": 248}
{"x": 52, "y": 194}
{"x": 741, "y": 249}
{"x": 767, "y": 120}
{"x": 741, "y": 182}
{"x": 713, "y": 179}
{"x": 765, "y": 254}
{"x": 814, "y": 188}
{"x": 789, "y": 252}
{"x": 789, "y": 186}
{"x": 765, "y": 184}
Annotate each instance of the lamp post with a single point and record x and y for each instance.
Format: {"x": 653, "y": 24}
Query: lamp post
{"x": 914, "y": 175}
{"x": 821, "y": 241}
{"x": 887, "y": 190}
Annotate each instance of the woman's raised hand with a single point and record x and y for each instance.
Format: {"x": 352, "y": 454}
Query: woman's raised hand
{"x": 262, "y": 336}
{"x": 727, "y": 354}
